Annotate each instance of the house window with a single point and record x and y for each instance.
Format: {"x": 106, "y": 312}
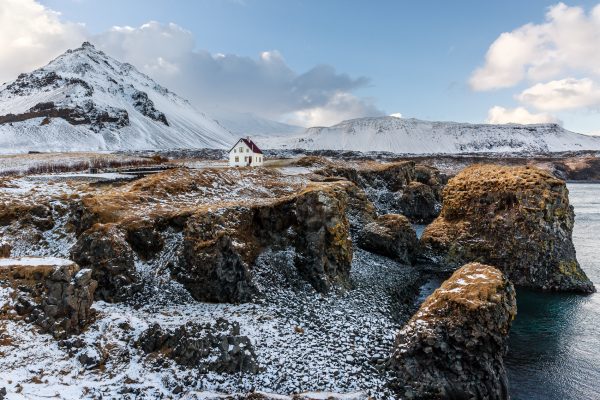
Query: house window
{"x": 247, "y": 150}
{"x": 237, "y": 159}
{"x": 241, "y": 149}
{"x": 234, "y": 150}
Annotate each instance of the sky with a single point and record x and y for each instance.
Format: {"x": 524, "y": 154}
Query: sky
{"x": 319, "y": 62}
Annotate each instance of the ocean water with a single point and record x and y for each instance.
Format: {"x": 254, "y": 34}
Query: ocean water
{"x": 554, "y": 344}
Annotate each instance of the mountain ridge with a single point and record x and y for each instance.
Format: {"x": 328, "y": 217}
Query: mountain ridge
{"x": 414, "y": 136}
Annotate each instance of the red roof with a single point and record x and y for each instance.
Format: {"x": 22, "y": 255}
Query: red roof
{"x": 250, "y": 144}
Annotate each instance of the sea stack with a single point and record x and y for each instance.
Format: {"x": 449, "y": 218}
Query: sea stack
{"x": 516, "y": 218}
{"x": 453, "y": 347}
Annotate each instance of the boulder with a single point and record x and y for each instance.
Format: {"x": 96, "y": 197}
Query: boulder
{"x": 391, "y": 235}
{"x": 53, "y": 293}
{"x": 217, "y": 347}
{"x": 453, "y": 347}
{"x": 419, "y": 202}
{"x": 516, "y": 218}
{"x": 104, "y": 249}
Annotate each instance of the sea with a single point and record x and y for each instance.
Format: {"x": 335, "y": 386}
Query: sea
{"x": 554, "y": 343}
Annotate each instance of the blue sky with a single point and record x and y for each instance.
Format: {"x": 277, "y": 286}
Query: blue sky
{"x": 418, "y": 56}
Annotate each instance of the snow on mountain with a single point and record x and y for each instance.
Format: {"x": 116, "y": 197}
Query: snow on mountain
{"x": 413, "y": 136}
{"x": 86, "y": 100}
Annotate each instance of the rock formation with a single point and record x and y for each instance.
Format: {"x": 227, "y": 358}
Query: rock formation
{"x": 218, "y": 347}
{"x": 53, "y": 293}
{"x": 105, "y": 251}
{"x": 219, "y": 248}
{"x": 516, "y": 218}
{"x": 453, "y": 347}
{"x": 217, "y": 237}
{"x": 395, "y": 187}
{"x": 391, "y": 235}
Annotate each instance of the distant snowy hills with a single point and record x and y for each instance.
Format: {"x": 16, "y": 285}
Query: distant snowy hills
{"x": 413, "y": 136}
{"x": 86, "y": 100}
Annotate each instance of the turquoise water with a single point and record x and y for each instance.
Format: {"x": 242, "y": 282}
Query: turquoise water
{"x": 554, "y": 346}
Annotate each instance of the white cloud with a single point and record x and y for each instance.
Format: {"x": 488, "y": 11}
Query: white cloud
{"x": 31, "y": 35}
{"x": 562, "y": 94}
{"x": 519, "y": 115}
{"x": 265, "y": 85}
{"x": 397, "y": 115}
{"x": 567, "y": 41}
{"x": 339, "y": 107}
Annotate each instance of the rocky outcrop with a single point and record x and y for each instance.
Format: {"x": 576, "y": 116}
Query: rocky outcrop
{"x": 395, "y": 187}
{"x": 217, "y": 347}
{"x": 391, "y": 235}
{"x": 453, "y": 347}
{"x": 104, "y": 249}
{"x": 516, "y": 218}
{"x": 219, "y": 249}
{"x": 53, "y": 293}
{"x": 419, "y": 202}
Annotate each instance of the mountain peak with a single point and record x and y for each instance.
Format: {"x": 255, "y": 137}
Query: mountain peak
{"x": 87, "y": 96}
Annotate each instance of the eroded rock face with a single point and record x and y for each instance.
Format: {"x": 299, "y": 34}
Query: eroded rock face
{"x": 53, "y": 293}
{"x": 220, "y": 248}
{"x": 516, "y": 218}
{"x": 396, "y": 187}
{"x": 391, "y": 235}
{"x": 217, "y": 347}
{"x": 104, "y": 249}
{"x": 419, "y": 202}
{"x": 453, "y": 347}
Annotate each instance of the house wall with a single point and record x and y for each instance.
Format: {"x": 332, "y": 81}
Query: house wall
{"x": 241, "y": 150}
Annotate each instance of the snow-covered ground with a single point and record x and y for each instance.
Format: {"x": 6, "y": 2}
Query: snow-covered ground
{"x": 341, "y": 347}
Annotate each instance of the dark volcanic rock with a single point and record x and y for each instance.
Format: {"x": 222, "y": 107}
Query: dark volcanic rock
{"x": 396, "y": 187}
{"x": 218, "y": 347}
{"x": 390, "y": 235}
{"x": 419, "y": 202}
{"x": 52, "y": 293}
{"x": 453, "y": 347}
{"x": 104, "y": 249}
{"x": 516, "y": 218}
{"x": 219, "y": 249}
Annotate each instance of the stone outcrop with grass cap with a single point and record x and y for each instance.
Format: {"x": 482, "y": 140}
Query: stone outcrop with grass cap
{"x": 453, "y": 346}
{"x": 516, "y": 218}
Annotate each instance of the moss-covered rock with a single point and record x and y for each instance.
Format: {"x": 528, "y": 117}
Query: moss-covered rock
{"x": 516, "y": 218}
{"x": 453, "y": 347}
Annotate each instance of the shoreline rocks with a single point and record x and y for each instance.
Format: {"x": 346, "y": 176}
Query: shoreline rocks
{"x": 391, "y": 235}
{"x": 55, "y": 294}
{"x": 516, "y": 218}
{"x": 453, "y": 346}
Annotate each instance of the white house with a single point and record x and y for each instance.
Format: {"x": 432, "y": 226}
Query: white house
{"x": 245, "y": 153}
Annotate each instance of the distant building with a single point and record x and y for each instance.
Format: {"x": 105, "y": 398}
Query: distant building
{"x": 245, "y": 153}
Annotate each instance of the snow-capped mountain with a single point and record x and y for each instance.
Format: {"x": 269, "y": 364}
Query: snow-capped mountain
{"x": 413, "y": 136}
{"x": 86, "y": 100}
